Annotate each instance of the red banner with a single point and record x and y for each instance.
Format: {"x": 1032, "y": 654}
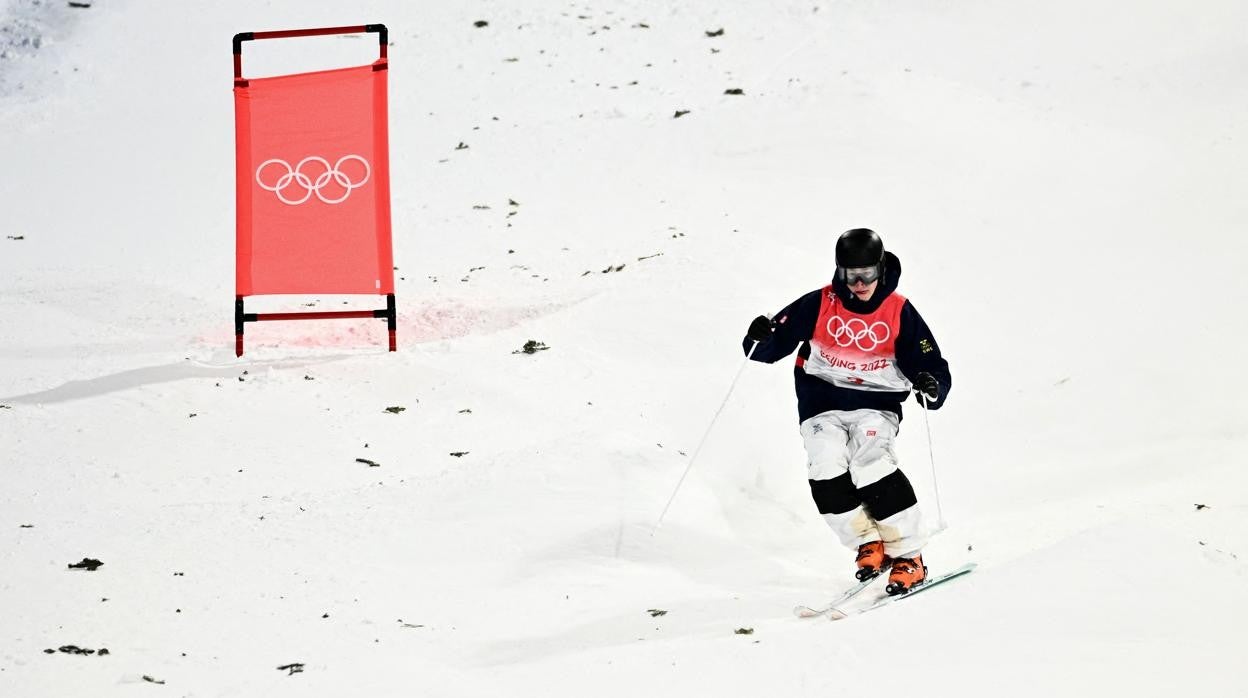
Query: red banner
{"x": 313, "y": 183}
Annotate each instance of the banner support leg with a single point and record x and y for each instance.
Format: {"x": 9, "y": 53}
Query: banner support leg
{"x": 392, "y": 320}
{"x": 238, "y": 326}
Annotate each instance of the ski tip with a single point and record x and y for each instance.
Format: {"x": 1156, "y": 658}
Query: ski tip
{"x": 837, "y": 614}
{"x": 804, "y": 612}
{"x": 964, "y": 569}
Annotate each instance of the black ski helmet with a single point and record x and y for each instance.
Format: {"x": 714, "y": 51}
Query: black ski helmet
{"x": 860, "y": 247}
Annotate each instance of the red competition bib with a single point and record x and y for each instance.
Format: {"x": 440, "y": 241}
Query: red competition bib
{"x": 856, "y": 351}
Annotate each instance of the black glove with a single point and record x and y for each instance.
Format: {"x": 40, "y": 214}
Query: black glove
{"x": 926, "y": 384}
{"x": 761, "y": 329}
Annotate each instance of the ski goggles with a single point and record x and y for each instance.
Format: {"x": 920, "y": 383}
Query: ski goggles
{"x": 865, "y": 275}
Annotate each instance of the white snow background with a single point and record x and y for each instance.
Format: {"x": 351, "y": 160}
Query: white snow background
{"x": 1063, "y": 182}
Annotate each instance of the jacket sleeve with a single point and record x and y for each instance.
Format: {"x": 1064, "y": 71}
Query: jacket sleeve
{"x": 794, "y": 324}
{"x": 918, "y": 352}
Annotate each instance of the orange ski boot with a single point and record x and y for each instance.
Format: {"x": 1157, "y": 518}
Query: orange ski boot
{"x": 871, "y": 560}
{"x": 907, "y": 573}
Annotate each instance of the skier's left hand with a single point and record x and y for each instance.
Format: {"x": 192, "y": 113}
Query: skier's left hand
{"x": 926, "y": 384}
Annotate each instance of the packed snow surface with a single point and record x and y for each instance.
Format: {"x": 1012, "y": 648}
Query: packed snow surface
{"x": 1063, "y": 182}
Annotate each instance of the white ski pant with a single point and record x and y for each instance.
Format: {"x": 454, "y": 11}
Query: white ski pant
{"x": 856, "y": 483}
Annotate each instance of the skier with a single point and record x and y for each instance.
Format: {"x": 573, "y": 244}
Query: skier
{"x": 864, "y": 347}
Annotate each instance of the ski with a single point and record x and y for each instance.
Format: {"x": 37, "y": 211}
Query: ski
{"x": 808, "y": 612}
{"x": 834, "y": 613}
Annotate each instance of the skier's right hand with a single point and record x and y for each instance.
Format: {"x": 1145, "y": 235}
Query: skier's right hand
{"x": 761, "y": 329}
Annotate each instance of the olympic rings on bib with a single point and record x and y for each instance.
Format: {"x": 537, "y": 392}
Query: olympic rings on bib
{"x": 855, "y": 330}
{"x": 295, "y": 176}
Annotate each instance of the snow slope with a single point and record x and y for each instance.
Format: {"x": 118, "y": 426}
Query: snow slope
{"x": 1061, "y": 181}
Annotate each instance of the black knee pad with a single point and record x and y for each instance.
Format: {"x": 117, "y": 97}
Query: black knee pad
{"x": 835, "y": 496}
{"x": 889, "y": 495}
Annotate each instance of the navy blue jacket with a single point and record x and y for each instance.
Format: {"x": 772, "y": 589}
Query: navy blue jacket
{"x": 815, "y": 395}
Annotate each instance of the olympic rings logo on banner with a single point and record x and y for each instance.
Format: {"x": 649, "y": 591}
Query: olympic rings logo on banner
{"x": 855, "y": 330}
{"x": 295, "y": 176}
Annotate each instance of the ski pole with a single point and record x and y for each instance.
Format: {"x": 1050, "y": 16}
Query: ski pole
{"x": 940, "y": 516}
{"x": 702, "y": 443}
